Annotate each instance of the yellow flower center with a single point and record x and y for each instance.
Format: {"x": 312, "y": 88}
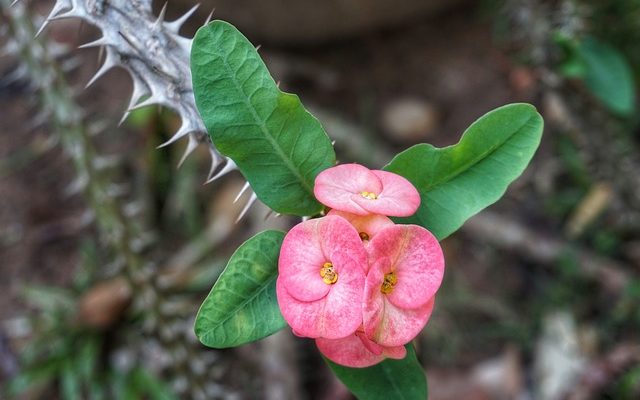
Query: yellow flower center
{"x": 363, "y": 236}
{"x": 329, "y": 276}
{"x": 390, "y": 281}
{"x": 369, "y": 195}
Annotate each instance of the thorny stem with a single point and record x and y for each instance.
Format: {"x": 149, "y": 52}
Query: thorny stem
{"x": 119, "y": 232}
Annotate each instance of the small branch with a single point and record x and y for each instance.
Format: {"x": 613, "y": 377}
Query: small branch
{"x": 512, "y": 236}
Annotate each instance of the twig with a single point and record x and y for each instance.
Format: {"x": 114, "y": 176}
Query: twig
{"x": 513, "y": 236}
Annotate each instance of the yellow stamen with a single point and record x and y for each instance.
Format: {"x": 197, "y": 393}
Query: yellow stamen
{"x": 363, "y": 236}
{"x": 369, "y": 195}
{"x": 329, "y": 276}
{"x": 390, "y": 281}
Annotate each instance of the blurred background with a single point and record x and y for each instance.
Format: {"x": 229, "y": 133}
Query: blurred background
{"x": 107, "y": 248}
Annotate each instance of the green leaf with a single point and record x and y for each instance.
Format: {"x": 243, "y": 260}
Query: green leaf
{"x": 458, "y": 181}
{"x": 70, "y": 382}
{"x": 278, "y": 146}
{"x": 151, "y": 385}
{"x": 242, "y": 305}
{"x": 391, "y": 379}
{"x": 608, "y": 75}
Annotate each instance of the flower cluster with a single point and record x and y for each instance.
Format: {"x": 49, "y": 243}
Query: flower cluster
{"x": 357, "y": 283}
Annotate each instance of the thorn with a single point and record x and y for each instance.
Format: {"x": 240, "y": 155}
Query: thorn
{"x": 161, "y": 16}
{"x": 278, "y": 84}
{"x": 191, "y": 146}
{"x": 258, "y": 47}
{"x": 106, "y": 66}
{"x": 333, "y": 143}
{"x": 99, "y": 42}
{"x": 183, "y": 131}
{"x": 215, "y": 161}
{"x": 14, "y": 2}
{"x": 58, "y": 11}
{"x": 228, "y": 167}
{"x": 241, "y": 192}
{"x": 139, "y": 91}
{"x": 123, "y": 118}
{"x": 209, "y": 17}
{"x": 42, "y": 28}
{"x": 149, "y": 101}
{"x": 252, "y": 200}
{"x": 177, "y": 24}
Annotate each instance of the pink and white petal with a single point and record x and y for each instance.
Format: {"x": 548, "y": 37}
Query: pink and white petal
{"x": 349, "y": 352}
{"x": 301, "y": 258}
{"x": 369, "y": 224}
{"x": 370, "y": 345}
{"x": 390, "y": 326}
{"x": 399, "y": 192}
{"x": 335, "y": 187}
{"x": 373, "y": 298}
{"x": 343, "y": 305}
{"x": 395, "y": 352}
{"x": 417, "y": 260}
{"x": 390, "y": 206}
{"x": 341, "y": 243}
{"x": 320, "y": 318}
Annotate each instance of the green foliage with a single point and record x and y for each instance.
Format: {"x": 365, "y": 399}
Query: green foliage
{"x": 278, "y": 146}
{"x": 608, "y": 76}
{"x": 391, "y": 379}
{"x": 458, "y": 181}
{"x": 242, "y": 305}
{"x": 71, "y": 357}
{"x": 604, "y": 69}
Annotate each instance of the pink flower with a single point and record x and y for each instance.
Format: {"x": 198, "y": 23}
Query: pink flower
{"x": 357, "y": 351}
{"x": 367, "y": 225}
{"x": 406, "y": 269}
{"x": 359, "y": 190}
{"x": 321, "y": 277}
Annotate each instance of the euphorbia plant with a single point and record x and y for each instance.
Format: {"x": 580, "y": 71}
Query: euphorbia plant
{"x": 360, "y": 275}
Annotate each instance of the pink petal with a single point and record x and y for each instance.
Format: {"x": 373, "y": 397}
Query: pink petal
{"x": 352, "y": 352}
{"x": 387, "y": 324}
{"x": 416, "y": 258}
{"x": 327, "y": 317}
{"x": 312, "y": 307}
{"x": 337, "y": 187}
{"x": 368, "y": 224}
{"x": 399, "y": 198}
{"x": 312, "y": 243}
{"x": 398, "y": 194}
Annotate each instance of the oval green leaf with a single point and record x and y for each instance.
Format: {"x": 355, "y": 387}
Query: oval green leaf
{"x": 391, "y": 379}
{"x": 278, "y": 145}
{"x": 608, "y": 75}
{"x": 242, "y": 306}
{"x": 458, "y": 181}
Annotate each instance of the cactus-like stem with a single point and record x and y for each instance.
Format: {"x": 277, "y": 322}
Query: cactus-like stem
{"x": 156, "y": 56}
{"x": 112, "y": 215}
